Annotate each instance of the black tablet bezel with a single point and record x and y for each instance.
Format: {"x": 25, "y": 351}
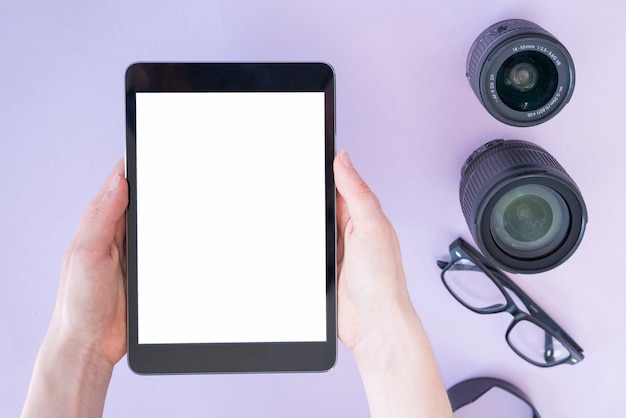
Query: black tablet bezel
{"x": 231, "y": 357}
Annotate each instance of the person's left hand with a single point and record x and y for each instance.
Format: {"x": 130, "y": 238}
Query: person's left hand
{"x": 90, "y": 314}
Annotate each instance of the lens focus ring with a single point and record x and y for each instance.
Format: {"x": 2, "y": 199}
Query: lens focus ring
{"x": 492, "y": 161}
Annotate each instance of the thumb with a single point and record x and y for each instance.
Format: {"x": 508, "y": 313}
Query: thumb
{"x": 361, "y": 203}
{"x": 98, "y": 225}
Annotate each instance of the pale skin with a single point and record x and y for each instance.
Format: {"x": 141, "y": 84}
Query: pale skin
{"x": 377, "y": 322}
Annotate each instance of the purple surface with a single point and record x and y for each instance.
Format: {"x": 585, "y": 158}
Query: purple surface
{"x": 408, "y": 117}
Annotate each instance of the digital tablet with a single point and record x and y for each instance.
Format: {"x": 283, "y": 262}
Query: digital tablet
{"x": 231, "y": 222}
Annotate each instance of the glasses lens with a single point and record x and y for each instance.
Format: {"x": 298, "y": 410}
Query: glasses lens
{"x": 473, "y": 287}
{"x": 536, "y": 344}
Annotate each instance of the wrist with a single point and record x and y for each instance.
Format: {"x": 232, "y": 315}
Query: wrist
{"x": 396, "y": 332}
{"x": 399, "y": 370}
{"x": 83, "y": 357}
{"x": 76, "y": 347}
{"x": 70, "y": 379}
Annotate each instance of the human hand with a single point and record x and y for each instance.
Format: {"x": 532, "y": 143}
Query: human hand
{"x": 376, "y": 319}
{"x": 87, "y": 333}
{"x": 371, "y": 280}
{"x": 90, "y": 313}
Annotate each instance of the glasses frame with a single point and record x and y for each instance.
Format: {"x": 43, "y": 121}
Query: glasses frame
{"x": 461, "y": 250}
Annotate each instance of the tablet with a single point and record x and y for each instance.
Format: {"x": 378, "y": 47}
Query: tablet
{"x": 231, "y": 221}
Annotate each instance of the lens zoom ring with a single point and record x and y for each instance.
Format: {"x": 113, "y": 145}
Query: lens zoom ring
{"x": 491, "y": 38}
{"x": 490, "y": 161}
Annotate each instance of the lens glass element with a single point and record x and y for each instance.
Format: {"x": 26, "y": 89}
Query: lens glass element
{"x": 529, "y": 218}
{"x": 527, "y": 80}
{"x": 522, "y": 77}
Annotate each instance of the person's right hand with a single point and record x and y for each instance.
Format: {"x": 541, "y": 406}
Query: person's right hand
{"x": 90, "y": 313}
{"x": 376, "y": 319}
{"x": 371, "y": 281}
{"x": 87, "y": 333}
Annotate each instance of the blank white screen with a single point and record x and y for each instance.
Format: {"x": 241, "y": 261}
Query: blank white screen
{"x": 230, "y": 217}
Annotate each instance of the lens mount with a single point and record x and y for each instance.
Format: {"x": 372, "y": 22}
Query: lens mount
{"x": 524, "y": 211}
{"x": 520, "y": 73}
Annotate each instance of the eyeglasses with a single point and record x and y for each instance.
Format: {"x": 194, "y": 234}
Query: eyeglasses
{"x": 484, "y": 289}
{"x": 469, "y": 391}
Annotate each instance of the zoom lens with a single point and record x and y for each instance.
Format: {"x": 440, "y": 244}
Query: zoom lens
{"x": 520, "y": 73}
{"x": 529, "y": 218}
{"x": 524, "y": 211}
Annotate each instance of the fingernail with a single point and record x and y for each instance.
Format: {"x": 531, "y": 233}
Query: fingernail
{"x": 115, "y": 181}
{"x": 345, "y": 159}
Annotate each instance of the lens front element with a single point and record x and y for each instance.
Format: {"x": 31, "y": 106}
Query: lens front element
{"x": 522, "y": 77}
{"x": 530, "y": 218}
{"x": 526, "y": 81}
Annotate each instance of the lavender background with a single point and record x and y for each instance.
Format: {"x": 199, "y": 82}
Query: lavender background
{"x": 406, "y": 114}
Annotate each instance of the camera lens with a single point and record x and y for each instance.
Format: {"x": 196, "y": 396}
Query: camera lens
{"x": 524, "y": 211}
{"x": 526, "y": 81}
{"x": 529, "y": 218}
{"x": 520, "y": 73}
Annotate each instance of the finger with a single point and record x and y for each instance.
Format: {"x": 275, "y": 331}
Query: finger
{"x": 120, "y": 241}
{"x": 99, "y": 224}
{"x": 342, "y": 221}
{"x": 360, "y": 201}
{"x": 343, "y": 216}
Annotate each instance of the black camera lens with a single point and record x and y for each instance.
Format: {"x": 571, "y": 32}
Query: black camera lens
{"x": 521, "y": 74}
{"x": 524, "y": 211}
